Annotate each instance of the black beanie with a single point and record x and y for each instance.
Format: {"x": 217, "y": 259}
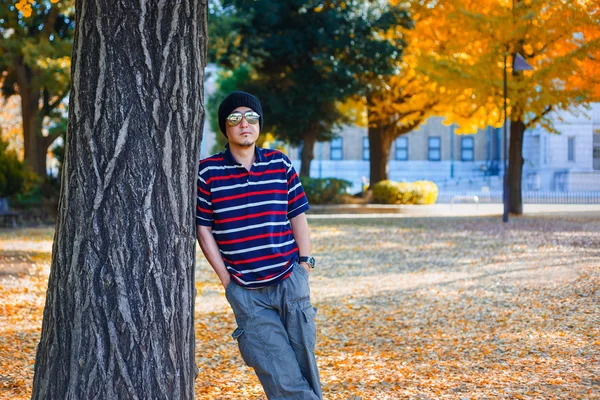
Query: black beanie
{"x": 238, "y": 99}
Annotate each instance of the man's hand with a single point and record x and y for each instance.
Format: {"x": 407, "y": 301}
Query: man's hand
{"x": 306, "y": 267}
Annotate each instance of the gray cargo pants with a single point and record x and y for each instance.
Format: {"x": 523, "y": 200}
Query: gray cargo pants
{"x": 276, "y": 335}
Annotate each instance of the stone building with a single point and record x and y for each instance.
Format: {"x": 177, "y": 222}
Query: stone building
{"x": 568, "y": 161}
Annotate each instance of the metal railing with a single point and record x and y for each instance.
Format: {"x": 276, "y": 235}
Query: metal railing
{"x": 529, "y": 197}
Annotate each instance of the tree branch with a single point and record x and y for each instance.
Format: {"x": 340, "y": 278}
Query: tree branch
{"x": 539, "y": 117}
{"x": 50, "y": 21}
{"x": 19, "y": 67}
{"x": 45, "y": 100}
{"x": 50, "y": 138}
{"x": 407, "y": 128}
{"x": 59, "y": 99}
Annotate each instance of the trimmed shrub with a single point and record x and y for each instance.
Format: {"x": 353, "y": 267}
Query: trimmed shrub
{"x": 390, "y": 192}
{"x": 325, "y": 190}
{"x": 12, "y": 172}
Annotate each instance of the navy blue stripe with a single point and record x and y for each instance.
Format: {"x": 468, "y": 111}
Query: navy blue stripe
{"x": 238, "y": 219}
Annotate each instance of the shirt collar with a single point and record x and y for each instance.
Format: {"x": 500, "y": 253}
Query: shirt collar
{"x": 260, "y": 156}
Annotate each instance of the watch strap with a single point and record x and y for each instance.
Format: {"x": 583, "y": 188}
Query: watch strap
{"x": 309, "y": 260}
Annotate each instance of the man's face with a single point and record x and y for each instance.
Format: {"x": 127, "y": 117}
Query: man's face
{"x": 243, "y": 134}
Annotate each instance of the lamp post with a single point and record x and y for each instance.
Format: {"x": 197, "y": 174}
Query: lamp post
{"x": 519, "y": 64}
{"x": 452, "y": 151}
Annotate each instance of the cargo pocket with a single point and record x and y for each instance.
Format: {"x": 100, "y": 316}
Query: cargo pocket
{"x": 310, "y": 330}
{"x": 245, "y": 350}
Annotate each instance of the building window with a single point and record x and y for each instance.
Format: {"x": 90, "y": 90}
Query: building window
{"x": 533, "y": 181}
{"x": 467, "y": 149}
{"x": 366, "y": 151}
{"x": 336, "y": 149}
{"x": 435, "y": 149}
{"x": 402, "y": 149}
{"x": 571, "y": 149}
{"x": 560, "y": 181}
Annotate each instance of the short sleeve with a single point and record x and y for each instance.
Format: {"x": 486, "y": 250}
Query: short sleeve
{"x": 204, "y": 213}
{"x": 297, "y": 201}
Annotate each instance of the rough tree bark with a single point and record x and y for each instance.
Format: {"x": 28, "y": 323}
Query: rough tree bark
{"x": 515, "y": 167}
{"x": 118, "y": 321}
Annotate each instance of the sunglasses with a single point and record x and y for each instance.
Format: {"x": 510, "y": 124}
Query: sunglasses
{"x": 235, "y": 118}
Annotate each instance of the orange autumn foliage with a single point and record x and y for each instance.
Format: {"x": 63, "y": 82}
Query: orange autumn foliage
{"x": 559, "y": 39}
{"x": 11, "y": 129}
{"x": 26, "y": 6}
{"x": 405, "y": 100}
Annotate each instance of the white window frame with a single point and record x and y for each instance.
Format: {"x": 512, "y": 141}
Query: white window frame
{"x": 403, "y": 148}
{"x": 336, "y": 150}
{"x": 366, "y": 151}
{"x": 464, "y": 149}
{"x": 438, "y": 148}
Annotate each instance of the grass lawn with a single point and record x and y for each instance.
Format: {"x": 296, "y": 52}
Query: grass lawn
{"x": 421, "y": 308}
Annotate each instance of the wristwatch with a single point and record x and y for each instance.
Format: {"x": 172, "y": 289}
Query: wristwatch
{"x": 309, "y": 260}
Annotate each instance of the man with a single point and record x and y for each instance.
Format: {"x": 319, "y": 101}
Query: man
{"x": 253, "y": 231}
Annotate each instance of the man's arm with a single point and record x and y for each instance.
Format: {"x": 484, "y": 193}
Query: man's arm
{"x": 209, "y": 247}
{"x": 301, "y": 236}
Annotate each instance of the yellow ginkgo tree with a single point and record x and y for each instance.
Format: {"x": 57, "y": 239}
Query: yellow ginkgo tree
{"x": 400, "y": 105}
{"x": 560, "y": 39}
{"x": 397, "y": 104}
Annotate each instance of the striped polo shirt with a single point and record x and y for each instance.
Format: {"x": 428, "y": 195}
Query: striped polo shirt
{"x": 250, "y": 212}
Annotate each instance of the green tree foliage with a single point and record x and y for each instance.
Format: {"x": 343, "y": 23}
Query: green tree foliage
{"x": 12, "y": 173}
{"x": 220, "y": 29}
{"x": 35, "y": 49}
{"x": 305, "y": 56}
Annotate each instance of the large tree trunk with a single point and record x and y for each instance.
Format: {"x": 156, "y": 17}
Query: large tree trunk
{"x": 515, "y": 167}
{"x": 35, "y": 145}
{"x": 118, "y": 321}
{"x": 310, "y": 138}
{"x": 33, "y": 141}
{"x": 380, "y": 143}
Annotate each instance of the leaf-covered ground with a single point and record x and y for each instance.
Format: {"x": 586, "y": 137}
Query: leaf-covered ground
{"x": 421, "y": 308}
